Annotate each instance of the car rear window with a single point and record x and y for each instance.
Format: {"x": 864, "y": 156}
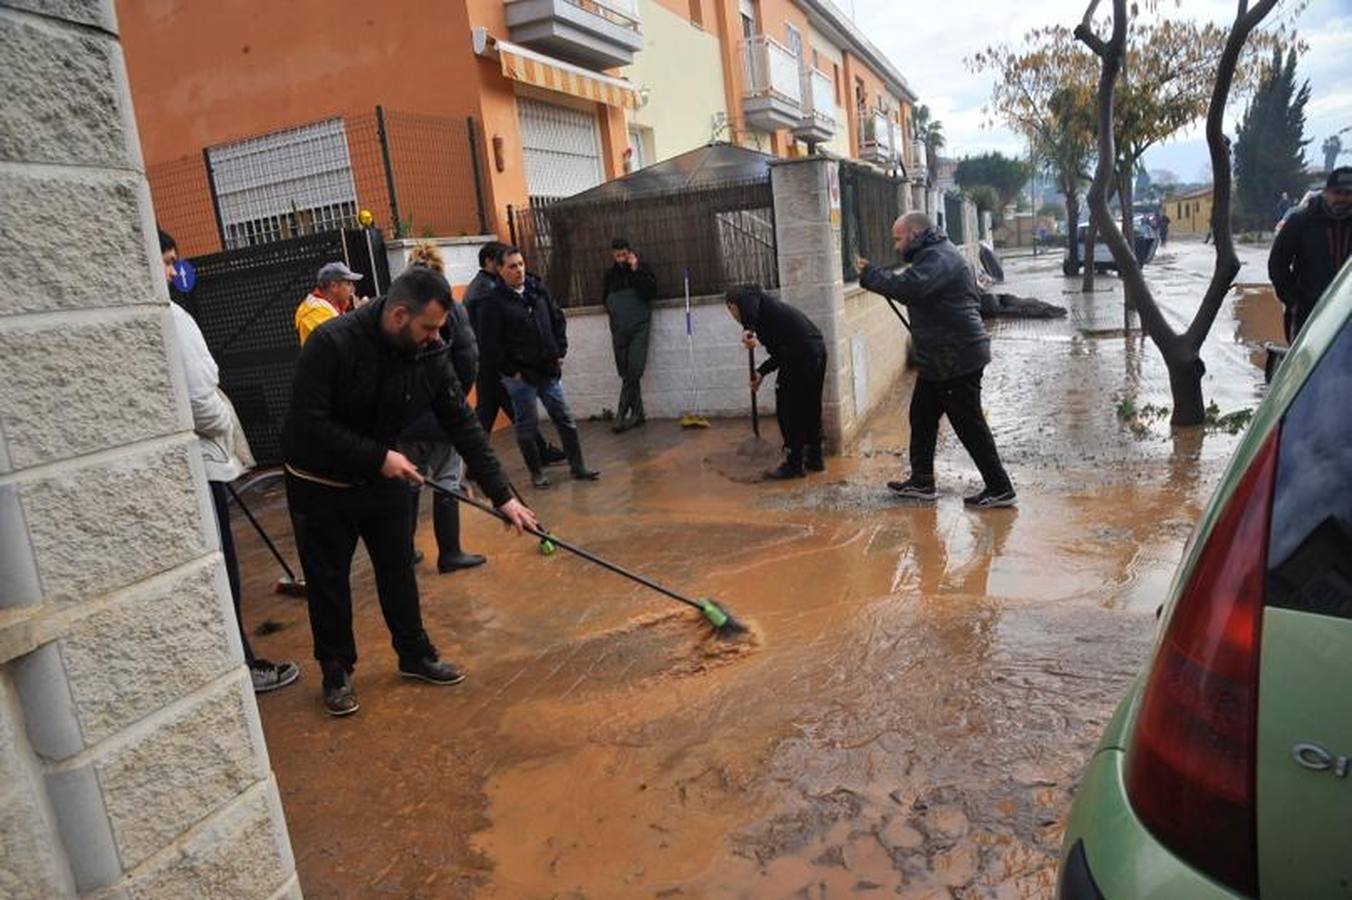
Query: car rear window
{"x": 1310, "y": 544}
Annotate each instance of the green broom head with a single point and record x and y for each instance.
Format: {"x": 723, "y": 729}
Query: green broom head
{"x": 723, "y": 622}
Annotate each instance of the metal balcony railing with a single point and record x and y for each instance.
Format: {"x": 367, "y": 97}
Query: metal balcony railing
{"x": 623, "y": 13}
{"x": 879, "y": 144}
{"x": 770, "y": 70}
{"x": 819, "y": 95}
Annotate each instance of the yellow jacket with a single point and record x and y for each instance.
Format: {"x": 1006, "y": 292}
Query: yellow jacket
{"x": 313, "y": 311}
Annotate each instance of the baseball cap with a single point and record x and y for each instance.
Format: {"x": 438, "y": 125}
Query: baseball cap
{"x": 336, "y": 271}
{"x": 1340, "y": 178}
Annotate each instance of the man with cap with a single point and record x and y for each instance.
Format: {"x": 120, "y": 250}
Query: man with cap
{"x": 1311, "y": 248}
{"x": 334, "y": 294}
{"x": 359, "y": 382}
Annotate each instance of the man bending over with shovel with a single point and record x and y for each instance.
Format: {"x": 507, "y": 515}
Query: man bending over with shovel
{"x": 951, "y": 351}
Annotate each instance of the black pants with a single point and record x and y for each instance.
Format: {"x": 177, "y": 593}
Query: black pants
{"x": 490, "y": 399}
{"x": 327, "y": 522}
{"x": 960, "y": 400}
{"x": 220, "y": 498}
{"x": 798, "y": 401}
{"x": 630, "y": 344}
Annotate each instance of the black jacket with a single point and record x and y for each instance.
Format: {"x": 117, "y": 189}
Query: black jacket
{"x": 458, "y": 336}
{"x": 480, "y": 288}
{"x": 1307, "y": 253}
{"x": 946, "y": 331}
{"x": 522, "y": 334}
{"x": 783, "y": 330}
{"x": 355, "y": 393}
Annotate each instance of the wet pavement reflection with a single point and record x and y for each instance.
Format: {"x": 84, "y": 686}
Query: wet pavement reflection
{"x": 920, "y": 691}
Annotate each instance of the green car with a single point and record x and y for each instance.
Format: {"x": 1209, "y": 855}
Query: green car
{"x": 1225, "y": 772}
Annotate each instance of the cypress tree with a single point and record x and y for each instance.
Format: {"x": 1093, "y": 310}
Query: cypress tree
{"x": 1270, "y": 144}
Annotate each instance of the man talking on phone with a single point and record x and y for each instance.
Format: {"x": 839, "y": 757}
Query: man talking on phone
{"x": 360, "y": 381}
{"x": 629, "y": 289}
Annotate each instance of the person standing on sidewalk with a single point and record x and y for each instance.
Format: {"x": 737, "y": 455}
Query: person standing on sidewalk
{"x": 491, "y": 397}
{"x": 1311, "y": 248}
{"x": 798, "y": 354}
{"x": 425, "y": 443}
{"x": 629, "y": 290}
{"x": 952, "y": 350}
{"x": 360, "y": 381}
{"x": 523, "y": 337}
{"x": 335, "y": 293}
{"x": 225, "y": 456}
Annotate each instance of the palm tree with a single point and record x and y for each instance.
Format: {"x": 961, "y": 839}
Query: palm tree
{"x": 930, "y": 132}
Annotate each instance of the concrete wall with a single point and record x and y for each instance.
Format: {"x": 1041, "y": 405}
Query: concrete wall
{"x": 720, "y": 363}
{"x": 831, "y": 61}
{"x": 681, "y": 68}
{"x": 132, "y": 761}
{"x": 876, "y": 358}
{"x": 461, "y": 255}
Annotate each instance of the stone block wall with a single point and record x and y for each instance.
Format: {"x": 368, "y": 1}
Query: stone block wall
{"x": 876, "y": 360}
{"x": 132, "y": 761}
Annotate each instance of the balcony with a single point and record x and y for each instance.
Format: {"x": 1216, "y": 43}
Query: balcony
{"x": 595, "y": 34}
{"x": 772, "y": 91}
{"x": 878, "y": 144}
{"x": 919, "y": 167}
{"x": 819, "y": 108}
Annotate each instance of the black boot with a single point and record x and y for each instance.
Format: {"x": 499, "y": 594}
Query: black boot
{"x": 414, "y": 505}
{"x": 446, "y": 522}
{"x": 812, "y": 459}
{"x": 531, "y": 454}
{"x": 549, "y": 454}
{"x": 572, "y": 445}
{"x": 791, "y": 467}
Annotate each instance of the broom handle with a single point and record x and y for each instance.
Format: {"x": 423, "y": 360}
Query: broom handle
{"x": 571, "y": 548}
{"x": 755, "y": 412}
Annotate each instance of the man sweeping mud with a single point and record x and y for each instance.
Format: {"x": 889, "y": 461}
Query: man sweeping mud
{"x": 951, "y": 351}
{"x": 360, "y": 381}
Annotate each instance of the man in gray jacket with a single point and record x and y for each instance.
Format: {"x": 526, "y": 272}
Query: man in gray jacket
{"x": 951, "y": 351}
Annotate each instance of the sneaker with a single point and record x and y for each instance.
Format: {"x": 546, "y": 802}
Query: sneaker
{"x": 785, "y": 471}
{"x": 539, "y": 479}
{"x": 552, "y": 455}
{"x": 339, "y": 698}
{"x": 429, "y": 668}
{"x": 914, "y": 489}
{"x": 585, "y": 474}
{"x": 269, "y": 676}
{"x": 989, "y": 499}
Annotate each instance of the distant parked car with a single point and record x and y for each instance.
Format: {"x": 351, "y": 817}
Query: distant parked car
{"x": 1224, "y": 773}
{"x": 1147, "y": 242}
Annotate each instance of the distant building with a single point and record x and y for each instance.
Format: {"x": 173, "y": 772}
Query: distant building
{"x": 1190, "y": 211}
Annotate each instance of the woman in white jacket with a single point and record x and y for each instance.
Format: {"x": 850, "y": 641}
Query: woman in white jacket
{"x": 225, "y": 456}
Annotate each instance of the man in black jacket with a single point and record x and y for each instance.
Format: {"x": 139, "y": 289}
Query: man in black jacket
{"x": 523, "y": 337}
{"x": 951, "y": 351}
{"x": 359, "y": 383}
{"x": 491, "y": 397}
{"x": 629, "y": 290}
{"x": 798, "y": 354}
{"x": 1310, "y": 249}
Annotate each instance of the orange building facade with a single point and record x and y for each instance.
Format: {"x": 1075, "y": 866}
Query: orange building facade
{"x": 262, "y": 120}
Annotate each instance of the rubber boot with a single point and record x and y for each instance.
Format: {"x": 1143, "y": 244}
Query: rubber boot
{"x": 414, "y": 506}
{"x": 446, "y": 522}
{"x": 549, "y": 454}
{"x": 572, "y": 445}
{"x": 530, "y": 452}
{"x": 812, "y": 459}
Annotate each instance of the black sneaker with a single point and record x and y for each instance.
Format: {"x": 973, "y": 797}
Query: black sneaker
{"x": 785, "y": 471}
{"x": 552, "y": 455}
{"x": 989, "y": 499}
{"x": 269, "y": 676}
{"x": 339, "y": 698}
{"x": 585, "y": 474}
{"x": 429, "y": 668}
{"x": 914, "y": 489}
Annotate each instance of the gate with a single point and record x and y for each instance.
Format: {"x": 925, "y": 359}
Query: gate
{"x": 245, "y": 303}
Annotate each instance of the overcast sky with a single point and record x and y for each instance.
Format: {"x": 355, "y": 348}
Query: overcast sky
{"x": 929, "y": 49}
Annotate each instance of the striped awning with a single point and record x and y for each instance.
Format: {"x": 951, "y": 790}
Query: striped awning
{"x": 529, "y": 67}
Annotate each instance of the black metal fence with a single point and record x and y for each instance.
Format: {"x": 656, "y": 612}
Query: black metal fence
{"x": 418, "y": 176}
{"x": 722, "y": 236}
{"x": 870, "y": 203}
{"x": 245, "y": 303}
{"x": 954, "y": 225}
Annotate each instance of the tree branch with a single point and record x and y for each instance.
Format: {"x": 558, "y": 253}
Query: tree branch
{"x": 1084, "y": 32}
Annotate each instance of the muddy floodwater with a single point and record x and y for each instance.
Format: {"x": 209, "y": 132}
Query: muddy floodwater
{"x": 909, "y": 715}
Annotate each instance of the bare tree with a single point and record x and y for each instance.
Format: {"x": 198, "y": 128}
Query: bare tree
{"x": 1181, "y": 352}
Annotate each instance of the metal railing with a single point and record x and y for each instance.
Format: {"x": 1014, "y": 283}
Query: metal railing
{"x": 819, "y": 93}
{"x": 869, "y": 203}
{"x": 770, "y": 69}
{"x": 623, "y": 13}
{"x": 878, "y": 136}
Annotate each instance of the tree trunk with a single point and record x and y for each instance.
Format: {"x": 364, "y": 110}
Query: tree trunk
{"x": 1072, "y": 229}
{"x": 1124, "y": 197}
{"x": 1090, "y": 236}
{"x": 1185, "y": 385}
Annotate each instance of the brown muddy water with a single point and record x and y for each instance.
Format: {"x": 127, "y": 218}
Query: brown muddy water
{"x": 909, "y": 716}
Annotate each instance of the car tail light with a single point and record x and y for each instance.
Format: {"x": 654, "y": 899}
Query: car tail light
{"x": 1190, "y": 767}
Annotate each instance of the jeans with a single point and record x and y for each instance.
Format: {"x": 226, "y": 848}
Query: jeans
{"x": 959, "y": 399}
{"x": 327, "y": 522}
{"x": 525, "y": 413}
{"x": 798, "y": 402}
{"x": 220, "y": 499}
